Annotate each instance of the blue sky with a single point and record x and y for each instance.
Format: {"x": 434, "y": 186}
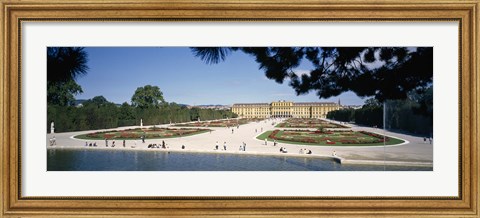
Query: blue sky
{"x": 116, "y": 72}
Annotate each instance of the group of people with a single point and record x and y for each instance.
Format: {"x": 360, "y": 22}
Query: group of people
{"x": 274, "y": 142}
{"x": 90, "y": 144}
{"x": 224, "y": 146}
{"x": 243, "y": 147}
{"x": 305, "y": 151}
{"x": 163, "y": 146}
{"x": 430, "y": 139}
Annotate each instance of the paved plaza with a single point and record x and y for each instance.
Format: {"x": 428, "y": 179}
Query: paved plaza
{"x": 415, "y": 152}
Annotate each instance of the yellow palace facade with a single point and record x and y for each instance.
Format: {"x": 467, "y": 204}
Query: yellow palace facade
{"x": 285, "y": 109}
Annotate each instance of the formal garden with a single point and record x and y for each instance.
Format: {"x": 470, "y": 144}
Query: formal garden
{"x": 138, "y": 133}
{"x": 308, "y": 123}
{"x": 219, "y": 123}
{"x": 329, "y": 138}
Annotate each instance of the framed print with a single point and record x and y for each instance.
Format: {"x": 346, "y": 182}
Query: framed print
{"x": 227, "y": 108}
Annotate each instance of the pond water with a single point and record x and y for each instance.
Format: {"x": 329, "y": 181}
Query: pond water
{"x": 118, "y": 160}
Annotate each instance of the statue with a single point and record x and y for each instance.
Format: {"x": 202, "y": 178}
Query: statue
{"x": 52, "y": 128}
{"x": 141, "y": 122}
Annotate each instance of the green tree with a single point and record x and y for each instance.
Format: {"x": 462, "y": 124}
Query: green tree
{"x": 382, "y": 72}
{"x": 147, "y": 96}
{"x": 64, "y": 65}
{"x": 98, "y": 101}
{"x": 62, "y": 93}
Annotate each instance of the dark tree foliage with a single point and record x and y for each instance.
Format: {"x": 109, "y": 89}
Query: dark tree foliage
{"x": 405, "y": 115}
{"x": 369, "y": 116}
{"x": 344, "y": 115}
{"x": 382, "y": 72}
{"x": 62, "y": 93}
{"x": 99, "y": 113}
{"x": 64, "y": 65}
{"x": 97, "y": 101}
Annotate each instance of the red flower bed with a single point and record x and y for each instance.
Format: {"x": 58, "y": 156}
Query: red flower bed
{"x": 272, "y": 135}
{"x": 108, "y": 136}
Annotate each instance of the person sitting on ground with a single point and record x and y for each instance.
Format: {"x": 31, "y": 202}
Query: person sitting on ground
{"x": 90, "y": 144}
{"x": 309, "y": 152}
{"x": 334, "y": 154}
{"x": 301, "y": 151}
{"x": 183, "y": 146}
{"x": 95, "y": 144}
{"x": 149, "y": 146}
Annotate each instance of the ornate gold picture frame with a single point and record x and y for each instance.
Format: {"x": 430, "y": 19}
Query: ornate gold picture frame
{"x": 14, "y": 13}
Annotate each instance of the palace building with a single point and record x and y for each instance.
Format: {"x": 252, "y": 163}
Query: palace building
{"x": 285, "y": 109}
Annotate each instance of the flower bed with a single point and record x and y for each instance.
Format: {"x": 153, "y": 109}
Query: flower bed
{"x": 331, "y": 138}
{"x": 138, "y": 133}
{"x": 308, "y": 123}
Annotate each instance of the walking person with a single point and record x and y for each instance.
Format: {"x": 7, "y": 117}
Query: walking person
{"x": 225, "y": 146}
{"x": 216, "y": 145}
{"x": 113, "y": 143}
{"x": 106, "y": 142}
{"x": 265, "y": 141}
{"x": 124, "y": 143}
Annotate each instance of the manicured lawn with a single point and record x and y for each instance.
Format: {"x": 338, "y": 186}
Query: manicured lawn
{"x": 136, "y": 134}
{"x": 308, "y": 123}
{"x": 339, "y": 138}
{"x": 218, "y": 123}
